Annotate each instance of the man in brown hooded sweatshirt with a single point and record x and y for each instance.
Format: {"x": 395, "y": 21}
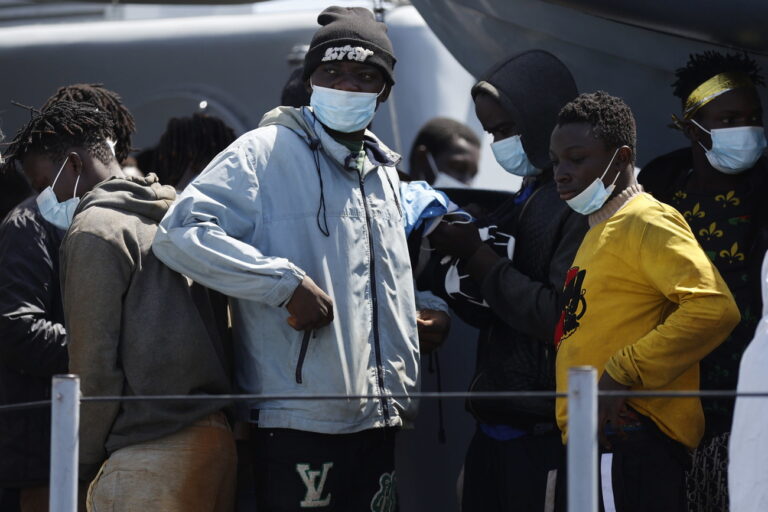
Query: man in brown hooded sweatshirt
{"x": 136, "y": 329}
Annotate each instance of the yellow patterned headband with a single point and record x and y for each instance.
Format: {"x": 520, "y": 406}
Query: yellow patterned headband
{"x": 712, "y": 88}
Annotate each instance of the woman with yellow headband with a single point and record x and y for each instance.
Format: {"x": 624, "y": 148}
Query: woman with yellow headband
{"x": 718, "y": 183}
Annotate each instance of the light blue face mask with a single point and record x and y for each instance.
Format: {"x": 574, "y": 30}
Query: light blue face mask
{"x": 58, "y": 214}
{"x": 511, "y": 156}
{"x": 734, "y": 150}
{"x": 343, "y": 111}
{"x": 596, "y": 194}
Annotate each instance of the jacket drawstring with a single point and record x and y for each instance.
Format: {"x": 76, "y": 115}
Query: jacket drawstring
{"x": 314, "y": 146}
{"x": 434, "y": 367}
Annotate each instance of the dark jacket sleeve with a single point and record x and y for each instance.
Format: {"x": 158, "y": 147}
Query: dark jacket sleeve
{"x": 94, "y": 277}
{"x": 32, "y": 340}
{"x": 660, "y": 174}
{"x": 525, "y": 304}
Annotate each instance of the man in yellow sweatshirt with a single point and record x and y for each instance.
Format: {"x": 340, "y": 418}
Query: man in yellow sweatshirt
{"x": 642, "y": 303}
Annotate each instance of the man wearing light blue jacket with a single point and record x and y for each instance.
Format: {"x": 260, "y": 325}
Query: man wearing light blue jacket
{"x": 299, "y": 221}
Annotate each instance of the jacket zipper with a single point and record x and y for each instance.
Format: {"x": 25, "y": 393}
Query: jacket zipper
{"x": 302, "y": 355}
{"x": 374, "y": 302}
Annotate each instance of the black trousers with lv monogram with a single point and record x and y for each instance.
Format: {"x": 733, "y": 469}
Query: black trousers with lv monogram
{"x": 296, "y": 470}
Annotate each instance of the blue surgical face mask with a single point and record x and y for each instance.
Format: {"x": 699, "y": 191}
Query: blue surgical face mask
{"x": 343, "y": 111}
{"x": 596, "y": 194}
{"x": 511, "y": 156}
{"x": 734, "y": 150}
{"x": 58, "y": 214}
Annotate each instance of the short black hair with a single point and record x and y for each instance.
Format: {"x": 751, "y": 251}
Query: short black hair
{"x": 105, "y": 99}
{"x": 611, "y": 119}
{"x": 437, "y": 134}
{"x": 188, "y": 142}
{"x": 60, "y": 126}
{"x": 703, "y": 66}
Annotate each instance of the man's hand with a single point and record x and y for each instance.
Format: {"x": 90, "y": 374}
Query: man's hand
{"x": 460, "y": 240}
{"x": 433, "y": 328}
{"x": 310, "y": 307}
{"x": 610, "y": 409}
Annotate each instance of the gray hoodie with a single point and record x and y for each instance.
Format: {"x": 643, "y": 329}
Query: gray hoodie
{"x": 251, "y": 226}
{"x": 134, "y": 328}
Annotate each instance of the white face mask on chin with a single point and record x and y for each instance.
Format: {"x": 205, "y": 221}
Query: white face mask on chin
{"x": 596, "y": 194}
{"x": 58, "y": 214}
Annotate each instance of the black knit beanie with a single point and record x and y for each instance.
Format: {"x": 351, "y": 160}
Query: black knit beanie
{"x": 350, "y": 33}
{"x": 532, "y": 86}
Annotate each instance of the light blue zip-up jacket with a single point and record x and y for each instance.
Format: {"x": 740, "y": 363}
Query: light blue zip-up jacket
{"x": 248, "y": 226}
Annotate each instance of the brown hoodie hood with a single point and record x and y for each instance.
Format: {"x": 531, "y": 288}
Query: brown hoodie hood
{"x": 139, "y": 196}
{"x": 135, "y": 327}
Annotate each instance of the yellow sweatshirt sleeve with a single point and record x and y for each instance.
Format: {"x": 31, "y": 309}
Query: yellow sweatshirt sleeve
{"x": 703, "y": 311}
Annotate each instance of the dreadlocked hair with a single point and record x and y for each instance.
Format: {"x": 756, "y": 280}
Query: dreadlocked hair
{"x": 703, "y": 66}
{"x": 189, "y": 143}
{"x": 109, "y": 101}
{"x": 611, "y": 119}
{"x": 62, "y": 125}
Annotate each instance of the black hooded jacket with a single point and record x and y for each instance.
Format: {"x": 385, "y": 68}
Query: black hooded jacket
{"x": 32, "y": 340}
{"x": 524, "y": 297}
{"x": 523, "y": 294}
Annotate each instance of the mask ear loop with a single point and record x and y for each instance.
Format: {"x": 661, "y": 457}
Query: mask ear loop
{"x": 467, "y": 218}
{"x": 432, "y": 163}
{"x": 610, "y": 164}
{"x": 701, "y": 127}
{"x": 74, "y": 192}
{"x": 705, "y": 131}
{"x": 59, "y": 173}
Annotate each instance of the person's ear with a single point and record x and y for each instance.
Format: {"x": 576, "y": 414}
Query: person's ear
{"x": 308, "y": 86}
{"x": 76, "y": 162}
{"x": 624, "y": 156}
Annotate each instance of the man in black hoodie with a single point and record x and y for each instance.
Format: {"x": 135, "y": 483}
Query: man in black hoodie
{"x": 63, "y": 149}
{"x": 505, "y": 276}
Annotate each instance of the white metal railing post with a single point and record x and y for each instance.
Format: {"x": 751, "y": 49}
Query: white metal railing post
{"x": 65, "y": 424}
{"x": 582, "y": 439}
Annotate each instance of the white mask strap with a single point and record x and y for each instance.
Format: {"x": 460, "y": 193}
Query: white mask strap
{"x": 59, "y": 173}
{"x": 701, "y": 127}
{"x": 432, "y": 163}
{"x": 609, "y": 166}
{"x": 704, "y": 130}
{"x": 74, "y": 194}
